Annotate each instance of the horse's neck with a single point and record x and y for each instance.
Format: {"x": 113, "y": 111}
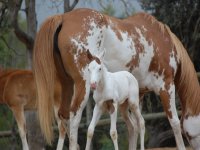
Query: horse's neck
{"x": 102, "y": 84}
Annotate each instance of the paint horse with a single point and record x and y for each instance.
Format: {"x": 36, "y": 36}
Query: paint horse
{"x": 139, "y": 44}
{"x": 119, "y": 87}
{"x": 17, "y": 91}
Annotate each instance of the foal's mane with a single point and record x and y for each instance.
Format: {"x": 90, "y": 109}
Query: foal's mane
{"x": 187, "y": 81}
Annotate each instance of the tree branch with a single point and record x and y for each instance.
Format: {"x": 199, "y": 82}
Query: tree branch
{"x": 9, "y": 47}
{"x": 125, "y": 7}
{"x": 25, "y": 38}
{"x": 67, "y": 6}
{"x": 74, "y": 4}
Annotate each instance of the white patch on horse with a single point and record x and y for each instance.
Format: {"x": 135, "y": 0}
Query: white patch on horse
{"x": 171, "y": 93}
{"x": 152, "y": 80}
{"x": 144, "y": 29}
{"x": 118, "y": 52}
{"x": 192, "y": 125}
{"x": 172, "y": 61}
{"x": 93, "y": 43}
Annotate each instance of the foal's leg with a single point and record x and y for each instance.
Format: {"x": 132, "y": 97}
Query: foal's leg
{"x": 135, "y": 108}
{"x": 21, "y": 123}
{"x": 113, "y": 129}
{"x": 95, "y": 118}
{"x": 168, "y": 101}
{"x": 131, "y": 125}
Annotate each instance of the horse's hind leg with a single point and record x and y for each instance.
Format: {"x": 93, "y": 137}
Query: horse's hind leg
{"x": 80, "y": 97}
{"x": 61, "y": 128}
{"x": 113, "y": 129}
{"x": 21, "y": 123}
{"x": 135, "y": 108}
{"x": 168, "y": 101}
{"x": 131, "y": 125}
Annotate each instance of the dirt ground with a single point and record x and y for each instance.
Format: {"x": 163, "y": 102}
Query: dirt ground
{"x": 166, "y": 149}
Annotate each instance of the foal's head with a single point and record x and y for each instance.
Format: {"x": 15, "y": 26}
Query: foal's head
{"x": 96, "y": 71}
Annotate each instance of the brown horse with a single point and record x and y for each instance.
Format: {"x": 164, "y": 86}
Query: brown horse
{"x": 140, "y": 44}
{"x": 17, "y": 91}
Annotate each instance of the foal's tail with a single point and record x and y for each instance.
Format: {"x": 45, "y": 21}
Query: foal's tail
{"x": 186, "y": 79}
{"x": 44, "y": 72}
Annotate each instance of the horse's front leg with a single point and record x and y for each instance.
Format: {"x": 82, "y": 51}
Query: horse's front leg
{"x": 113, "y": 128}
{"x": 95, "y": 118}
{"x": 80, "y": 97}
{"x": 168, "y": 101}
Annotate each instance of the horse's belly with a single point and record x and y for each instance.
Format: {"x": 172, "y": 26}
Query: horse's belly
{"x": 191, "y": 126}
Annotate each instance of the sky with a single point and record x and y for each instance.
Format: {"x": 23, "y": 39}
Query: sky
{"x": 45, "y": 8}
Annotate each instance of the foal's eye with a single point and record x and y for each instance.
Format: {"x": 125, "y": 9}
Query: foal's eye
{"x": 99, "y": 69}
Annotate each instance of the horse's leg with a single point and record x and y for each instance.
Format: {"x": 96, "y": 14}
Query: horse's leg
{"x": 21, "y": 123}
{"x": 80, "y": 97}
{"x": 135, "y": 108}
{"x": 168, "y": 101}
{"x": 113, "y": 129}
{"x": 131, "y": 125}
{"x": 61, "y": 129}
{"x": 95, "y": 118}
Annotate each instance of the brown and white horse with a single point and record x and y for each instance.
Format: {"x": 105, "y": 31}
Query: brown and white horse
{"x": 139, "y": 44}
{"x": 18, "y": 92}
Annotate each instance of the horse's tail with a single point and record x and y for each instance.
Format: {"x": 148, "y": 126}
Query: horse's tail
{"x": 186, "y": 79}
{"x": 44, "y": 72}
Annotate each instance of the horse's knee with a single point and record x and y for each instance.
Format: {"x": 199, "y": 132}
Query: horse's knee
{"x": 175, "y": 123}
{"x": 113, "y": 134}
{"x": 63, "y": 130}
{"x": 142, "y": 124}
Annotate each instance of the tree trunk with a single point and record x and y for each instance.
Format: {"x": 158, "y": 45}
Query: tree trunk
{"x": 35, "y": 138}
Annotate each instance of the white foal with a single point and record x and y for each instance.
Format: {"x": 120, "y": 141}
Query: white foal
{"x": 119, "y": 87}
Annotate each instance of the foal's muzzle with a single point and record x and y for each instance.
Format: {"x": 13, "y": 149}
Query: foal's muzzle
{"x": 93, "y": 86}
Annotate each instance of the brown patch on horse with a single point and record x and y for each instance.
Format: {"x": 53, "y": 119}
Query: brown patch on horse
{"x": 78, "y": 96}
{"x": 108, "y": 106}
{"x": 165, "y": 101}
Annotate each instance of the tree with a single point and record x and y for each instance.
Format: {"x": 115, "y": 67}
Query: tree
{"x": 183, "y": 17}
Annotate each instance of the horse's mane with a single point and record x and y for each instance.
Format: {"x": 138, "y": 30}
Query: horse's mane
{"x": 151, "y": 19}
{"x": 187, "y": 84}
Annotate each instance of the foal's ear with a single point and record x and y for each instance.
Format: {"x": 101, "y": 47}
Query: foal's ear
{"x": 89, "y": 55}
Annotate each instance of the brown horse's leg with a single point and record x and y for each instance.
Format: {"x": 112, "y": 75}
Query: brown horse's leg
{"x": 61, "y": 127}
{"x": 168, "y": 101}
{"x": 67, "y": 84}
{"x": 80, "y": 97}
{"x": 21, "y": 123}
